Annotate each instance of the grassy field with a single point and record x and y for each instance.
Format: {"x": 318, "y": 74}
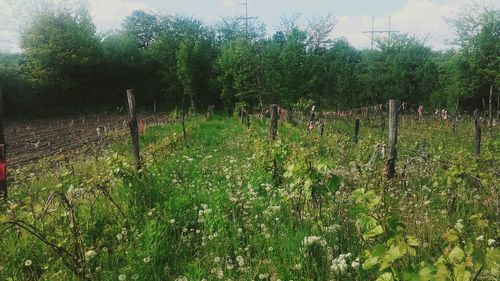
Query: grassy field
{"x": 226, "y": 205}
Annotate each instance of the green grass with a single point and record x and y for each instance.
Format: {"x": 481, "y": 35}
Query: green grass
{"x": 226, "y": 205}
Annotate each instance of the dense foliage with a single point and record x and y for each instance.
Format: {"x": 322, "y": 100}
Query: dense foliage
{"x": 171, "y": 59}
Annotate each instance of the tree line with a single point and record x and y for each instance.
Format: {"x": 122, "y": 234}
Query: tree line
{"x": 178, "y": 61}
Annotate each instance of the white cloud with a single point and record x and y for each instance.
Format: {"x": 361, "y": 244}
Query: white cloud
{"x": 109, "y": 14}
{"x": 423, "y": 18}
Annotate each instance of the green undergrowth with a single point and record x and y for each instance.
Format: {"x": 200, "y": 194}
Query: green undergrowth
{"x": 227, "y": 205}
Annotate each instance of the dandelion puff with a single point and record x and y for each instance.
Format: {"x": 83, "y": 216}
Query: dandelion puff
{"x": 90, "y": 254}
{"x": 28, "y": 262}
{"x": 491, "y": 242}
{"x": 122, "y": 277}
{"x": 147, "y": 259}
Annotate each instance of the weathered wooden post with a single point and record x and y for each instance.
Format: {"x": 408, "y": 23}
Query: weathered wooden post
{"x": 382, "y": 120}
{"x": 312, "y": 118}
{"x": 242, "y": 115}
{"x": 356, "y": 131}
{"x": 209, "y": 112}
{"x": 154, "y": 113}
{"x": 322, "y": 128}
{"x": 3, "y": 155}
{"x": 273, "y": 127}
{"x": 393, "y": 138}
{"x": 248, "y": 120}
{"x": 289, "y": 116}
{"x": 478, "y": 136}
{"x": 134, "y": 130}
{"x": 490, "y": 107}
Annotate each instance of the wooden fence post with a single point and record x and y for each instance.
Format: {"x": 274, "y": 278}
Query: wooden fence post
{"x": 134, "y": 130}
{"x": 356, "y": 131}
{"x": 312, "y": 118}
{"x": 490, "y": 107}
{"x": 382, "y": 120}
{"x": 393, "y": 138}
{"x": 242, "y": 115}
{"x": 248, "y": 120}
{"x": 273, "y": 128}
{"x": 3, "y": 156}
{"x": 154, "y": 113}
{"x": 478, "y": 136}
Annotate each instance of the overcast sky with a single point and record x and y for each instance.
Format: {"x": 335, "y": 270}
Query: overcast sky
{"x": 424, "y": 18}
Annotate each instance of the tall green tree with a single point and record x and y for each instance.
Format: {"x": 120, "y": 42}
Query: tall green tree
{"x": 62, "y": 51}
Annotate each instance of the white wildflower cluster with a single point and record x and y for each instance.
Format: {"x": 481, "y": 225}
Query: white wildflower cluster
{"x": 340, "y": 264}
{"x": 204, "y": 210}
{"x": 355, "y": 263}
{"x": 264, "y": 276}
{"x": 90, "y": 254}
{"x": 240, "y": 260}
{"x": 459, "y": 226}
{"x": 313, "y": 240}
{"x": 122, "y": 235}
{"x": 491, "y": 242}
{"x": 332, "y": 228}
{"x": 218, "y": 272}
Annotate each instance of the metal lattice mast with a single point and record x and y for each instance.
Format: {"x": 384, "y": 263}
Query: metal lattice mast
{"x": 373, "y": 31}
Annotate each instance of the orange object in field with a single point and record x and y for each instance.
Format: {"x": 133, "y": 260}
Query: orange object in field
{"x": 142, "y": 126}
{"x": 3, "y": 171}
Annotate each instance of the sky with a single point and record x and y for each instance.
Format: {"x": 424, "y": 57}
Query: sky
{"x": 423, "y": 18}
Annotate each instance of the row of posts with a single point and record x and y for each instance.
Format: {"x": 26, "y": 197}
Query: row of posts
{"x": 393, "y": 133}
{"x": 273, "y": 129}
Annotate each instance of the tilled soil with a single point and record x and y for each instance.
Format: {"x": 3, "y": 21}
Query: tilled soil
{"x": 28, "y": 141}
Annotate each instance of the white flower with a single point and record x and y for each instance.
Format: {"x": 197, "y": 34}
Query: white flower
{"x": 28, "y": 262}
{"x": 333, "y": 228}
{"x": 480, "y": 238}
{"x": 263, "y": 276}
{"x": 459, "y": 225}
{"x": 355, "y": 263}
{"x": 90, "y": 254}
{"x": 491, "y": 242}
{"x": 311, "y": 240}
{"x": 122, "y": 277}
{"x": 240, "y": 260}
{"x": 172, "y": 221}
{"x": 147, "y": 260}
{"x": 340, "y": 264}
{"x": 220, "y": 273}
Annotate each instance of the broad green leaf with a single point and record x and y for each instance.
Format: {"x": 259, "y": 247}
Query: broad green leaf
{"x": 377, "y": 230}
{"x": 456, "y": 255}
{"x": 492, "y": 260}
{"x": 412, "y": 241}
{"x": 385, "y": 277}
{"x": 370, "y": 262}
{"x": 451, "y": 235}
